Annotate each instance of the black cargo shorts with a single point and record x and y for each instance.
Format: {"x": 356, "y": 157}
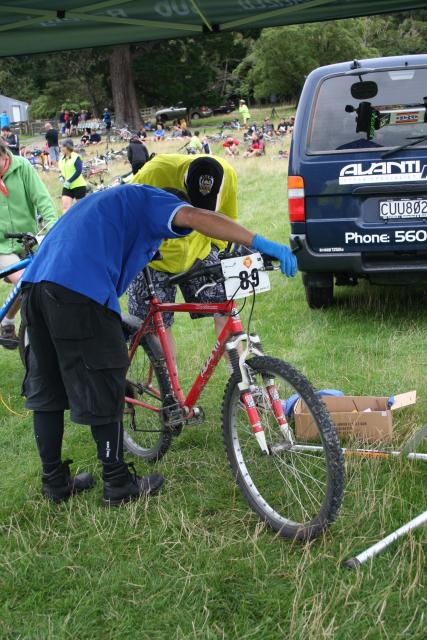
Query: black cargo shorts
{"x": 77, "y": 356}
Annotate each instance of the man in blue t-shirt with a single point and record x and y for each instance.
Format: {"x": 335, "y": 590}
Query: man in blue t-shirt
{"x": 77, "y": 355}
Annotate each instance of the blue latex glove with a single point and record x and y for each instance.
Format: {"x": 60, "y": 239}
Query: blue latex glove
{"x": 288, "y": 262}
{"x": 67, "y": 184}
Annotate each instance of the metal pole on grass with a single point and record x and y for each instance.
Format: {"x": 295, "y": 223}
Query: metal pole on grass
{"x": 364, "y": 453}
{"x": 375, "y": 549}
{"x": 356, "y": 561}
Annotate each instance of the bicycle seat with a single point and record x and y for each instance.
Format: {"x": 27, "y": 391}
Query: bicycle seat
{"x": 130, "y": 324}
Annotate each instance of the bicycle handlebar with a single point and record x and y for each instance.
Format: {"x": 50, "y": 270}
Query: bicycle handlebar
{"x": 19, "y": 236}
{"x": 199, "y": 269}
{"x": 28, "y": 240}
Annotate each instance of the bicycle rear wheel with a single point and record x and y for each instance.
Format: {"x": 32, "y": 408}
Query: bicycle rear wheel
{"x": 145, "y": 434}
{"x": 296, "y": 491}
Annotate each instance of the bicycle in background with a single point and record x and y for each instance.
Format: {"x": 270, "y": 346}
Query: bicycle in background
{"x": 29, "y": 242}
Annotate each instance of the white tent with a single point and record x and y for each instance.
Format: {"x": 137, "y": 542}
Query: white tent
{"x": 15, "y": 109}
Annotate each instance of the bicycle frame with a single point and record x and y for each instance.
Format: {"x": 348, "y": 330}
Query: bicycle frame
{"x": 232, "y": 329}
{"x": 13, "y": 268}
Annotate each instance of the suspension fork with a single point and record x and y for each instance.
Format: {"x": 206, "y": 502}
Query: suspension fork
{"x": 279, "y": 414}
{"x": 253, "y": 345}
{"x": 247, "y": 388}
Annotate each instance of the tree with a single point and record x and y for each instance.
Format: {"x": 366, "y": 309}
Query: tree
{"x": 398, "y": 34}
{"x": 123, "y": 88}
{"x": 281, "y": 58}
{"x": 194, "y": 70}
{"x": 73, "y": 79}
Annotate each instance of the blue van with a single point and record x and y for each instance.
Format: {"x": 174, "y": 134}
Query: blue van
{"x": 357, "y": 183}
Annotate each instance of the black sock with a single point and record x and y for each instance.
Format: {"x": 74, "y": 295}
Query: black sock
{"x": 49, "y": 431}
{"x": 109, "y": 441}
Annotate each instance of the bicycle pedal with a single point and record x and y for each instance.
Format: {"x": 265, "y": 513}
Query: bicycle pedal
{"x": 198, "y": 416}
{"x": 173, "y": 417}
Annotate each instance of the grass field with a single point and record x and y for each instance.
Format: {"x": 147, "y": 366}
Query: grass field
{"x": 194, "y": 562}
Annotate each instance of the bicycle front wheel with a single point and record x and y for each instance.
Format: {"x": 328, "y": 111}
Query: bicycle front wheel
{"x": 295, "y": 490}
{"x": 145, "y": 434}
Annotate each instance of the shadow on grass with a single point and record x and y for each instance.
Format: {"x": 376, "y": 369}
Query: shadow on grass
{"x": 379, "y": 301}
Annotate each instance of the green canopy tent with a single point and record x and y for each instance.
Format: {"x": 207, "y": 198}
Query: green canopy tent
{"x": 35, "y": 26}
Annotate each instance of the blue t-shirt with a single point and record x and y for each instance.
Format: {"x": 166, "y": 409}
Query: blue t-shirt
{"x": 101, "y": 244}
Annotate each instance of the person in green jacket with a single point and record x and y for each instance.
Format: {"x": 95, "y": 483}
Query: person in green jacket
{"x": 22, "y": 197}
{"x": 71, "y": 168}
{"x": 244, "y": 112}
{"x": 195, "y": 146}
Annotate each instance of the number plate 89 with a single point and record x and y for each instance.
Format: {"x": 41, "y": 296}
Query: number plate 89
{"x": 244, "y": 275}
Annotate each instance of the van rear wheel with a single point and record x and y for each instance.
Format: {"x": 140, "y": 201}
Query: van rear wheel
{"x": 319, "y": 297}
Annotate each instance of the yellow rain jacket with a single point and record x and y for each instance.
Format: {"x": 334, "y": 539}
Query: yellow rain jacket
{"x": 169, "y": 170}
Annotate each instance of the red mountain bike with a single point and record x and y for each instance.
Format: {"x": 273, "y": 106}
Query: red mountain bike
{"x": 296, "y": 491}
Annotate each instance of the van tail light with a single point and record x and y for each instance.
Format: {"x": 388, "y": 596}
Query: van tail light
{"x": 296, "y": 199}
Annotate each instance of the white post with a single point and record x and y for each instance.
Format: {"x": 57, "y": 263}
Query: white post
{"x": 353, "y": 563}
{"x": 368, "y": 453}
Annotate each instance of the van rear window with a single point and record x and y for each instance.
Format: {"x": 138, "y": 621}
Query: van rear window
{"x": 360, "y": 113}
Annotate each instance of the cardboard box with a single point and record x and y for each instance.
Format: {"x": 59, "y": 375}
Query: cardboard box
{"x": 351, "y": 417}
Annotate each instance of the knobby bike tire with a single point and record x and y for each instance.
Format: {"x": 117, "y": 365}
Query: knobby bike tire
{"x": 152, "y": 439}
{"x": 290, "y": 482}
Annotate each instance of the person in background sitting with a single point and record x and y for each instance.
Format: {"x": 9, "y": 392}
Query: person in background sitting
{"x": 94, "y": 138}
{"x": 159, "y": 134}
{"x": 231, "y": 146}
{"x": 256, "y": 148}
{"x": 185, "y": 132}
{"x": 11, "y": 139}
{"x": 195, "y": 146}
{"x": 176, "y": 131}
{"x": 282, "y": 127}
{"x": 252, "y": 129}
{"x": 85, "y": 137}
{"x": 268, "y": 128}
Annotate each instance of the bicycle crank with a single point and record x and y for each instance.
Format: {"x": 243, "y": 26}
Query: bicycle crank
{"x": 175, "y": 417}
{"x": 198, "y": 416}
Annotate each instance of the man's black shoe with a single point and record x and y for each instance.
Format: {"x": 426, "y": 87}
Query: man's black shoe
{"x": 121, "y": 485}
{"x": 8, "y": 337}
{"x": 59, "y": 484}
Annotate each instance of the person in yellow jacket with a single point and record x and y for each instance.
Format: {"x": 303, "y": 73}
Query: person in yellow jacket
{"x": 211, "y": 183}
{"x": 71, "y": 168}
{"x": 244, "y": 112}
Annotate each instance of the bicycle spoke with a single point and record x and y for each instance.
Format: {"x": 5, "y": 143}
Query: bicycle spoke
{"x": 145, "y": 434}
{"x": 290, "y": 489}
